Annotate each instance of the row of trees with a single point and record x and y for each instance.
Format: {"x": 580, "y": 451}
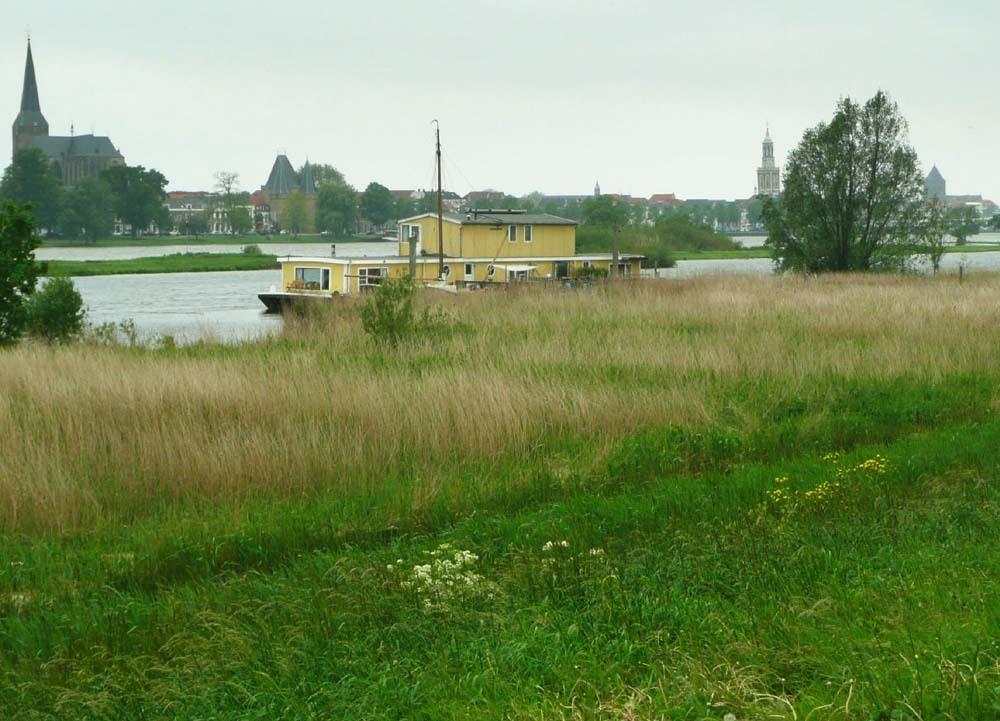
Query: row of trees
{"x": 608, "y": 223}
{"x": 88, "y": 210}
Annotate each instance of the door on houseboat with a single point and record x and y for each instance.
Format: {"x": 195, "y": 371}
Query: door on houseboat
{"x": 469, "y": 274}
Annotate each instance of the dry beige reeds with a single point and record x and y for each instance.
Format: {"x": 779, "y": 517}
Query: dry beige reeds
{"x": 93, "y": 434}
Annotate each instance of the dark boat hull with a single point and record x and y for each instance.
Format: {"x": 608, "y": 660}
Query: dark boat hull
{"x": 282, "y": 302}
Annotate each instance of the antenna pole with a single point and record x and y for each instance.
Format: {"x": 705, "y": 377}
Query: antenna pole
{"x": 440, "y": 204}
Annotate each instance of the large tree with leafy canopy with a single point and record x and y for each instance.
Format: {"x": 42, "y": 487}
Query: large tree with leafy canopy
{"x": 336, "y": 209}
{"x": 138, "y": 193}
{"x": 30, "y": 180}
{"x": 853, "y": 196}
{"x": 377, "y": 203}
{"x": 18, "y": 274}
{"x": 962, "y": 223}
{"x": 89, "y": 210}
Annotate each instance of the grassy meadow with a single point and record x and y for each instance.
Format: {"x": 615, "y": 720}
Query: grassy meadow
{"x": 776, "y": 498}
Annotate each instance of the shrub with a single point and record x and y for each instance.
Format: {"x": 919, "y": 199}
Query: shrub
{"x": 388, "y": 315}
{"x": 252, "y": 249}
{"x": 55, "y": 312}
{"x": 389, "y": 318}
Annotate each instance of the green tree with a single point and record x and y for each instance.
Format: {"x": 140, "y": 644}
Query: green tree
{"x": 295, "y": 212}
{"x": 196, "y": 223}
{"x": 326, "y": 174}
{"x": 336, "y": 209}
{"x": 853, "y": 197}
{"x": 30, "y": 180}
{"x": 995, "y": 222}
{"x": 240, "y": 220}
{"x": 377, "y": 204}
{"x": 403, "y": 208}
{"x": 961, "y": 223}
{"x": 931, "y": 241}
{"x": 234, "y": 203}
{"x": 18, "y": 274}
{"x": 138, "y": 193}
{"x": 55, "y": 312}
{"x": 608, "y": 212}
{"x": 89, "y": 211}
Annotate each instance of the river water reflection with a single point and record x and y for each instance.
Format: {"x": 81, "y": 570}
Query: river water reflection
{"x": 190, "y": 306}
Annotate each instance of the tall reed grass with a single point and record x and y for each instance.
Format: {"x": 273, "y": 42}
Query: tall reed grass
{"x": 93, "y": 435}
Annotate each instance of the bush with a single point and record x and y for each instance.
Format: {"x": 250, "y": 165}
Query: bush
{"x": 389, "y": 318}
{"x": 388, "y": 315}
{"x": 55, "y": 312}
{"x": 252, "y": 249}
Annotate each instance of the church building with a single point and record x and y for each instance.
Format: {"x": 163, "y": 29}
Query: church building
{"x": 74, "y": 157}
{"x": 768, "y": 174}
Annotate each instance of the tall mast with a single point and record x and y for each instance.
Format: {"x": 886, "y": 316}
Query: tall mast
{"x": 437, "y": 133}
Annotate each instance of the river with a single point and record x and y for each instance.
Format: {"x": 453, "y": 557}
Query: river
{"x": 190, "y": 306}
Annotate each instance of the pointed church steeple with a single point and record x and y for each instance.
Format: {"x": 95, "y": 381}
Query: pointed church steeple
{"x": 30, "y": 123}
{"x": 29, "y": 93}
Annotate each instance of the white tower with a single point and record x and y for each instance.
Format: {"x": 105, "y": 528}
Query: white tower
{"x": 768, "y": 174}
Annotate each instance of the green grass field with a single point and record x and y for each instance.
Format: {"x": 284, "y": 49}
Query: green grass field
{"x": 775, "y": 498}
{"x": 176, "y": 263}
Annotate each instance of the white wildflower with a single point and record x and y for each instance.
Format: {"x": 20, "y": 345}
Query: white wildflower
{"x": 449, "y": 576}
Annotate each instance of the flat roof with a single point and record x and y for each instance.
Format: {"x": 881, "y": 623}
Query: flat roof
{"x": 423, "y": 259}
{"x": 495, "y": 217}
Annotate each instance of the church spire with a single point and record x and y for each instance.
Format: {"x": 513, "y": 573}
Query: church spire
{"x": 29, "y": 93}
{"x": 30, "y": 123}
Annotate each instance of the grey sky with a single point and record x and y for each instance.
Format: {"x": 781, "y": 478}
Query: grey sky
{"x": 547, "y": 95}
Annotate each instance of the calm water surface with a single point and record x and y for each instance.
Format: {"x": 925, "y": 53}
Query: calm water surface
{"x": 188, "y": 306}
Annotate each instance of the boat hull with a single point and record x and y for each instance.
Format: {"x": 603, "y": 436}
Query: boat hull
{"x": 283, "y": 302}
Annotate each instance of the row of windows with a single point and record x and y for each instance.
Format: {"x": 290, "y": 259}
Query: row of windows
{"x": 412, "y": 232}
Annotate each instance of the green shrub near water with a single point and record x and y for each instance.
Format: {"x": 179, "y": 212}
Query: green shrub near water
{"x": 55, "y": 312}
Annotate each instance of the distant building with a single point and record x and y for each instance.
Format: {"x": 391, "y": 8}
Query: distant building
{"x": 73, "y": 157}
{"x": 936, "y": 188}
{"x": 597, "y": 189}
{"x": 935, "y": 185}
{"x": 484, "y": 199}
{"x": 282, "y": 181}
{"x": 664, "y": 199}
{"x": 768, "y": 174}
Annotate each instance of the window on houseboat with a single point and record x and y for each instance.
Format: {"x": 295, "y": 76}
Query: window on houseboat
{"x": 527, "y": 234}
{"x": 368, "y": 277}
{"x": 512, "y": 233}
{"x": 313, "y": 278}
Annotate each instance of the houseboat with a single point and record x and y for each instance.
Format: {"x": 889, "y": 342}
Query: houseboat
{"x": 479, "y": 248}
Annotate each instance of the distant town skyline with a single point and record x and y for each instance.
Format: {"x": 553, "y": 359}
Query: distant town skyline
{"x": 645, "y": 98}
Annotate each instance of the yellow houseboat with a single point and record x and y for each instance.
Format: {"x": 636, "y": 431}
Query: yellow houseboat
{"x": 479, "y": 248}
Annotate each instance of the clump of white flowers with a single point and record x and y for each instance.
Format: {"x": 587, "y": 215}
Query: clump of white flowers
{"x": 549, "y": 545}
{"x": 448, "y": 576}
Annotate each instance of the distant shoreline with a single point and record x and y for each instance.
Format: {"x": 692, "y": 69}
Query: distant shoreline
{"x": 236, "y": 240}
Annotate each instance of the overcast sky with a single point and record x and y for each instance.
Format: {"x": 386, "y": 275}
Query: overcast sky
{"x": 549, "y": 95}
